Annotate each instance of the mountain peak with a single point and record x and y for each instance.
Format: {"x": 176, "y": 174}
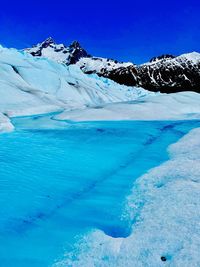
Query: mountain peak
{"x": 164, "y": 56}
{"x": 59, "y": 52}
{"x": 49, "y": 40}
{"x": 75, "y": 44}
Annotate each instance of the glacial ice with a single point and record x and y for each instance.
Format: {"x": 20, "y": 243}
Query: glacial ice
{"x": 164, "y": 209}
{"x": 59, "y": 183}
{"x": 30, "y": 85}
{"x": 160, "y": 224}
{"x": 178, "y": 106}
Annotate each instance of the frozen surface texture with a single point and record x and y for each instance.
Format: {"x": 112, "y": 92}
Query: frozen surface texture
{"x": 30, "y": 85}
{"x": 34, "y": 85}
{"x": 184, "y": 105}
{"x": 61, "y": 181}
{"x": 164, "y": 210}
{"x": 70, "y": 193}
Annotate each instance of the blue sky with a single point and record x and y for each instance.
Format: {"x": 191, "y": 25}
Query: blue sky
{"x": 125, "y": 30}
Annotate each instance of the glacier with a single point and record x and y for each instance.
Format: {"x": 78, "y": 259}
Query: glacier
{"x": 59, "y": 183}
{"x": 164, "y": 210}
{"x": 94, "y": 173}
{"x": 35, "y": 85}
{"x": 30, "y": 85}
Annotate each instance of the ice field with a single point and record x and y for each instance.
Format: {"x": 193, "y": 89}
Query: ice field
{"x": 62, "y": 181}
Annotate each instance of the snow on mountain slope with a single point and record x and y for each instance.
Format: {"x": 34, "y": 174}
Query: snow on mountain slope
{"x": 166, "y": 73}
{"x": 58, "y": 52}
{"x": 180, "y": 73}
{"x": 100, "y": 65}
{"x": 74, "y": 54}
{"x": 32, "y": 85}
{"x": 193, "y": 57}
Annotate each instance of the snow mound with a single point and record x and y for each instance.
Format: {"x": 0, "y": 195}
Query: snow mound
{"x": 164, "y": 212}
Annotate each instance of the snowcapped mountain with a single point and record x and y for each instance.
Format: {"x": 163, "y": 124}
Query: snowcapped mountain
{"x": 165, "y": 73}
{"x": 100, "y": 65}
{"x": 165, "y": 56}
{"x": 37, "y": 84}
{"x": 58, "y": 52}
{"x": 72, "y": 54}
{"x": 171, "y": 74}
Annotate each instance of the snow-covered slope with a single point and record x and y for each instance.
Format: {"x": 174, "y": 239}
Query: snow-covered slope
{"x": 72, "y": 54}
{"x": 100, "y": 65}
{"x": 58, "y": 52}
{"x": 32, "y": 85}
{"x": 165, "y": 73}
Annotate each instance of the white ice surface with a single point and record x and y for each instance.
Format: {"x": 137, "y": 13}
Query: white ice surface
{"x": 30, "y": 85}
{"x": 5, "y": 124}
{"x": 164, "y": 207}
{"x": 164, "y": 204}
{"x": 178, "y": 106}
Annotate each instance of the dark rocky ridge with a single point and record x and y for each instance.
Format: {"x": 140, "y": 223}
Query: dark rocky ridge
{"x": 164, "y": 74}
{"x": 123, "y": 75}
{"x": 166, "y": 56}
{"x": 171, "y": 75}
{"x": 76, "y": 52}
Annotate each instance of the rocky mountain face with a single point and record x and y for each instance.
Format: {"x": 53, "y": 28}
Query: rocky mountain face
{"x": 59, "y": 52}
{"x": 166, "y": 56}
{"x": 165, "y": 73}
{"x": 171, "y": 74}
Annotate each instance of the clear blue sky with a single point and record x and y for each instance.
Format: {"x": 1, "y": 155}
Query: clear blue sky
{"x": 124, "y": 30}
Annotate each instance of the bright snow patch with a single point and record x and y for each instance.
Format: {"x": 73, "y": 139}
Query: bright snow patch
{"x": 97, "y": 65}
{"x": 179, "y": 106}
{"x": 193, "y": 57}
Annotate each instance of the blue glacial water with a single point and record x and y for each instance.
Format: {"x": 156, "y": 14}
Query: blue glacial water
{"x": 57, "y": 184}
